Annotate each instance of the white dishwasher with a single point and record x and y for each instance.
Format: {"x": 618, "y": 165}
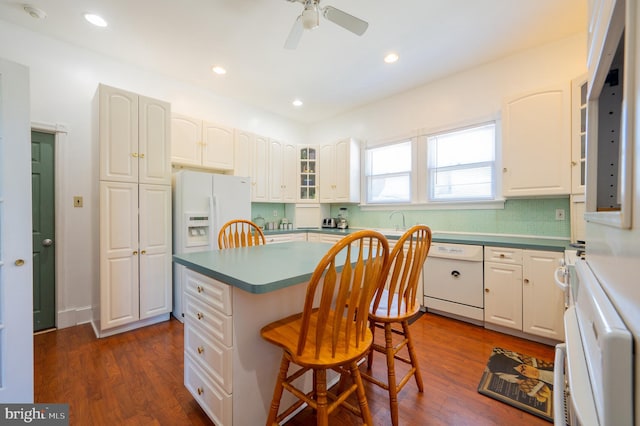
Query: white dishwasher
{"x": 453, "y": 281}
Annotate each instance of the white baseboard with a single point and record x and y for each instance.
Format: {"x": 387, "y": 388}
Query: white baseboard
{"x": 74, "y": 316}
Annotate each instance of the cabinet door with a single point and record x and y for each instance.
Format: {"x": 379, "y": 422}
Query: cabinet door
{"x": 217, "y": 148}
{"x": 578, "y": 134}
{"x": 186, "y": 140}
{"x": 289, "y": 173}
{"x": 503, "y": 294}
{"x": 276, "y": 189}
{"x": 542, "y": 300}
{"x": 327, "y": 172}
{"x": 118, "y": 135}
{"x": 260, "y": 176}
{"x": 242, "y": 146}
{"x": 536, "y": 144}
{"x": 342, "y": 172}
{"x": 154, "y": 142}
{"x": 118, "y": 254}
{"x": 155, "y": 250}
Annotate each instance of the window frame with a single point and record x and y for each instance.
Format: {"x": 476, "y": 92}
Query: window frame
{"x": 411, "y": 173}
{"x": 419, "y": 179}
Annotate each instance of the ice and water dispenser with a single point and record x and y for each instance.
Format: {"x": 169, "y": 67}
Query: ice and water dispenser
{"x": 197, "y": 229}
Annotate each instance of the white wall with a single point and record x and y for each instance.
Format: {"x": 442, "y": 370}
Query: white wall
{"x": 462, "y": 98}
{"x": 64, "y": 80}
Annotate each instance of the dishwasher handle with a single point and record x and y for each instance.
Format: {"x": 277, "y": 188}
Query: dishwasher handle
{"x": 455, "y": 274}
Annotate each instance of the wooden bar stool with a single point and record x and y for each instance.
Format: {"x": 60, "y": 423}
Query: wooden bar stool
{"x": 395, "y": 303}
{"x": 331, "y": 332}
{"x": 240, "y": 233}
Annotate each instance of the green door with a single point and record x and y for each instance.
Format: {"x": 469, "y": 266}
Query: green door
{"x": 42, "y": 183}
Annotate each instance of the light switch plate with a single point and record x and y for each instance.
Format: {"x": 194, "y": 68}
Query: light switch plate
{"x": 560, "y": 214}
{"x": 77, "y": 201}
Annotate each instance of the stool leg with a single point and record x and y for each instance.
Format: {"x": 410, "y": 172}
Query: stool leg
{"x": 391, "y": 373}
{"x": 412, "y": 356}
{"x": 277, "y": 392}
{"x": 320, "y": 383}
{"x": 365, "y": 413}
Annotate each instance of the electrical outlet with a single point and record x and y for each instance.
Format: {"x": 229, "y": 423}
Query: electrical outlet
{"x": 560, "y": 214}
{"x": 77, "y": 201}
{"x": 275, "y": 213}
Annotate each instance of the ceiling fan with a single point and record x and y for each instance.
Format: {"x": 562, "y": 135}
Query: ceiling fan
{"x": 310, "y": 19}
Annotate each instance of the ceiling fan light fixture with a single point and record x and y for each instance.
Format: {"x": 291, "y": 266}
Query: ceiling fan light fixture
{"x": 310, "y": 17}
{"x": 34, "y": 12}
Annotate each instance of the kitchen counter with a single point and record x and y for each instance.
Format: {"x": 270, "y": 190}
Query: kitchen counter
{"x": 523, "y": 242}
{"x": 258, "y": 269}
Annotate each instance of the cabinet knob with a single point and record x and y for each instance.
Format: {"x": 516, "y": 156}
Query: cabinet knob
{"x": 486, "y": 290}
{"x": 200, "y": 391}
{"x": 143, "y": 252}
{"x": 134, "y": 154}
{"x": 574, "y": 163}
{"x": 501, "y": 255}
{"x": 141, "y": 155}
{"x": 526, "y": 281}
{"x": 504, "y": 170}
{"x": 200, "y": 349}
{"x": 200, "y": 289}
{"x": 135, "y": 253}
{"x": 19, "y": 262}
{"x": 199, "y": 315}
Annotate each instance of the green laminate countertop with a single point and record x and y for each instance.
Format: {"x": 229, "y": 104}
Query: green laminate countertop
{"x": 523, "y": 242}
{"x": 259, "y": 269}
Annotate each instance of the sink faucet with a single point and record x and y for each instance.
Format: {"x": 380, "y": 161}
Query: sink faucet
{"x": 404, "y": 225}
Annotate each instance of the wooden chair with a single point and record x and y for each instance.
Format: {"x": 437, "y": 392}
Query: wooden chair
{"x": 331, "y": 332}
{"x": 395, "y": 303}
{"x": 240, "y": 233}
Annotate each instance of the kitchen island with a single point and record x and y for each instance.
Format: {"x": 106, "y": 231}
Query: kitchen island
{"x": 229, "y": 296}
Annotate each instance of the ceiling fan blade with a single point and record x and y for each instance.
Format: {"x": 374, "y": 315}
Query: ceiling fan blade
{"x": 295, "y": 34}
{"x": 345, "y": 20}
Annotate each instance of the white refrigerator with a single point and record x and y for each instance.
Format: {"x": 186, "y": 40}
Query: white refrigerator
{"x": 202, "y": 203}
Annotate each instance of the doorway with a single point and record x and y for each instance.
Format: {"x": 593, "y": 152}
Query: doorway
{"x": 43, "y": 217}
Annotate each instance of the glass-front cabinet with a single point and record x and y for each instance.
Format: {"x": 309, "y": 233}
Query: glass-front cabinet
{"x": 308, "y": 173}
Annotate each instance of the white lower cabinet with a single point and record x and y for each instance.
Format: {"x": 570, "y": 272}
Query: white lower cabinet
{"x": 323, "y": 238}
{"x": 520, "y": 293}
{"x": 135, "y": 254}
{"x": 208, "y": 346}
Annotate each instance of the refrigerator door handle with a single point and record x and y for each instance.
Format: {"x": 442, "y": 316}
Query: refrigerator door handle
{"x": 213, "y": 221}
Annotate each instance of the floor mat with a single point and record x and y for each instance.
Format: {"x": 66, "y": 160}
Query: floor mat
{"x": 519, "y": 380}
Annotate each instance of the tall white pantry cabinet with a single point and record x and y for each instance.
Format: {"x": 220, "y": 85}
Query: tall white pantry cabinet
{"x": 135, "y": 211}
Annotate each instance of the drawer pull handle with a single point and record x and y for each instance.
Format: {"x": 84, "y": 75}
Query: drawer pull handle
{"x": 455, "y": 274}
{"x": 199, "y": 315}
{"x": 200, "y": 289}
{"x": 200, "y": 349}
{"x": 200, "y": 391}
{"x": 501, "y": 255}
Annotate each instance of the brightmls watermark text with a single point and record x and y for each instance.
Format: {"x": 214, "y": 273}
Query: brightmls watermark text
{"x": 34, "y": 414}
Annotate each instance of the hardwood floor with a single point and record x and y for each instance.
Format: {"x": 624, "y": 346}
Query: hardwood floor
{"x": 136, "y": 378}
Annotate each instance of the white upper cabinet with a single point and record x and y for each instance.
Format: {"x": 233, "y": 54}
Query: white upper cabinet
{"x": 536, "y": 143}
{"x": 283, "y": 158}
{"x": 339, "y": 168}
{"x": 200, "y": 143}
{"x": 134, "y": 137}
{"x": 259, "y": 169}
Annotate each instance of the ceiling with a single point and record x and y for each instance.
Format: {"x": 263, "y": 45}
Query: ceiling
{"x": 332, "y": 70}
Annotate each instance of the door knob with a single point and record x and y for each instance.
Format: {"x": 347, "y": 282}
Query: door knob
{"x": 47, "y": 242}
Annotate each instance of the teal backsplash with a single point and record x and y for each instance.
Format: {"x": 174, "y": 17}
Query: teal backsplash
{"x": 534, "y": 217}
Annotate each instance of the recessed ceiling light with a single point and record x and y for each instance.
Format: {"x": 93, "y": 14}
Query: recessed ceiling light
{"x": 297, "y": 103}
{"x": 219, "y": 70}
{"x": 96, "y": 20}
{"x": 34, "y": 12}
{"x": 391, "y": 58}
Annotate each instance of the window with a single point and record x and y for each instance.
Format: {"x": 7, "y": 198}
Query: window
{"x": 461, "y": 164}
{"x": 388, "y": 173}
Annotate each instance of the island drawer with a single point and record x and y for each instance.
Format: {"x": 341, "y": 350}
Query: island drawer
{"x": 217, "y": 325}
{"x": 211, "y": 356}
{"x": 209, "y": 291}
{"x": 210, "y": 396}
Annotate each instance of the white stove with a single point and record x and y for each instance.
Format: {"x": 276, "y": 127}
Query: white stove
{"x": 595, "y": 363}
